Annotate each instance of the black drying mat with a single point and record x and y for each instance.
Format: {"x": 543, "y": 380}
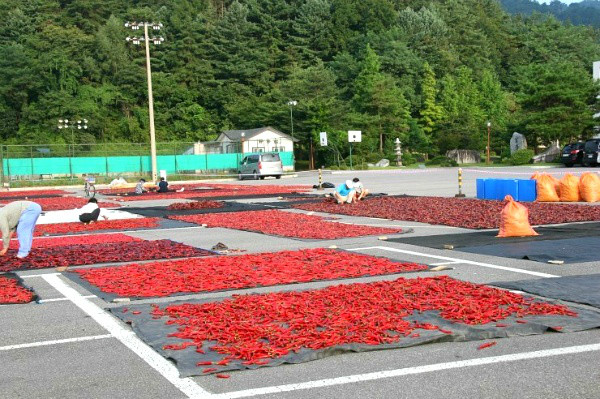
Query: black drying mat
{"x": 488, "y": 237}
{"x": 583, "y": 289}
{"x": 574, "y": 250}
{"x": 163, "y": 212}
{"x": 156, "y": 334}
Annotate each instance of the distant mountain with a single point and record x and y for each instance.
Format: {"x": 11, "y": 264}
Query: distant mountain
{"x": 586, "y": 12}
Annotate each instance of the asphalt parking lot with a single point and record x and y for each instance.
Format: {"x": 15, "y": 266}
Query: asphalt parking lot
{"x": 68, "y": 346}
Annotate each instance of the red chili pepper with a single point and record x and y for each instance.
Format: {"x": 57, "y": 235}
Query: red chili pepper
{"x": 486, "y": 345}
{"x": 204, "y": 363}
{"x": 522, "y": 321}
{"x": 209, "y": 370}
{"x": 222, "y": 375}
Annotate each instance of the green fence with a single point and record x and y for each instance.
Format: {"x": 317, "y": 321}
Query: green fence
{"x": 42, "y": 165}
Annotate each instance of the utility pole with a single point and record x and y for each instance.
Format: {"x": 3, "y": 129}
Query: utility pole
{"x": 146, "y": 40}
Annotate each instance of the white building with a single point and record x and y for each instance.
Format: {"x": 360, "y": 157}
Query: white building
{"x": 263, "y": 139}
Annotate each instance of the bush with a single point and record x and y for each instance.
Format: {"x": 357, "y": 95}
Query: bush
{"x": 441, "y": 161}
{"x": 408, "y": 159}
{"x": 521, "y": 157}
{"x": 301, "y": 164}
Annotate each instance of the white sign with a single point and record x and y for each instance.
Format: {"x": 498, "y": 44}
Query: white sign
{"x": 354, "y": 136}
{"x": 323, "y": 139}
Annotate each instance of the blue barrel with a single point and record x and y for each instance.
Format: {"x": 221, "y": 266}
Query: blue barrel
{"x": 506, "y": 187}
{"x": 527, "y": 190}
{"x": 490, "y": 189}
{"x": 481, "y": 188}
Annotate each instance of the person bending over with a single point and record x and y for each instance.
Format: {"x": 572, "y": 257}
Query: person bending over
{"x": 345, "y": 192}
{"x": 139, "y": 187}
{"x": 90, "y": 212}
{"x": 361, "y": 191}
{"x": 19, "y": 216}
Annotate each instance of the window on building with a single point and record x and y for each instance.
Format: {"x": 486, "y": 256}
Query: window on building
{"x": 258, "y": 149}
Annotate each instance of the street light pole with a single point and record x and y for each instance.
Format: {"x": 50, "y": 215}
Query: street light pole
{"x": 489, "y": 125}
{"x": 292, "y": 104}
{"x": 155, "y": 40}
{"x": 64, "y": 124}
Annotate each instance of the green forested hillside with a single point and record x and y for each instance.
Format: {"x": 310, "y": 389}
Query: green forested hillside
{"x": 585, "y": 12}
{"x": 431, "y": 73}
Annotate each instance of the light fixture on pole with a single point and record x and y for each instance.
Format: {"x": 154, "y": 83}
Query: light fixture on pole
{"x": 292, "y": 104}
{"x": 80, "y": 124}
{"x": 146, "y": 40}
{"x": 489, "y": 126}
{"x": 398, "y": 152}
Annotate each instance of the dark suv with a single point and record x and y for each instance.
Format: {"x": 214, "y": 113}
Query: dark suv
{"x": 590, "y": 152}
{"x": 572, "y": 154}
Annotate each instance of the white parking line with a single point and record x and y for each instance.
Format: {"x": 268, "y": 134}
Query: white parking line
{"x": 40, "y": 275}
{"x": 468, "y": 262}
{"x": 410, "y": 371}
{"x": 63, "y": 299}
{"x": 54, "y": 342}
{"x": 129, "y": 339}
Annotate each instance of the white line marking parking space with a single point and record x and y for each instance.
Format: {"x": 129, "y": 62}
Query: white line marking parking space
{"x": 447, "y": 258}
{"x": 410, "y": 371}
{"x": 55, "y": 342}
{"x": 62, "y": 299}
{"x": 129, "y": 339}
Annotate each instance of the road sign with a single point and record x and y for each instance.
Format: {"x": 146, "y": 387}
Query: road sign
{"x": 354, "y": 136}
{"x": 323, "y": 139}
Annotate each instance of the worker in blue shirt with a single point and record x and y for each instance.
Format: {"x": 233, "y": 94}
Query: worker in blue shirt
{"x": 345, "y": 192}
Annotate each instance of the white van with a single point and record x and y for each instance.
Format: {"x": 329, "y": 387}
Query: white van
{"x": 260, "y": 166}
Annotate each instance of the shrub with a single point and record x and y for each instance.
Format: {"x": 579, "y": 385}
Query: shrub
{"x": 441, "y": 161}
{"x": 521, "y": 157}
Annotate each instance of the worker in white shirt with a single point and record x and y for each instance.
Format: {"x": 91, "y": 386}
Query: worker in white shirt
{"x": 360, "y": 191}
{"x": 90, "y": 212}
{"x": 19, "y": 217}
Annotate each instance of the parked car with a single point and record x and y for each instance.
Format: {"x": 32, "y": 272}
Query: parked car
{"x": 260, "y": 166}
{"x": 572, "y": 153}
{"x": 591, "y": 153}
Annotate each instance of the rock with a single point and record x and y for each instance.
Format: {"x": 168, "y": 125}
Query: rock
{"x": 384, "y": 163}
{"x": 383, "y": 238}
{"x": 517, "y": 142}
{"x": 332, "y": 246}
{"x": 440, "y": 268}
{"x": 448, "y": 246}
{"x": 556, "y": 262}
{"x": 549, "y": 155}
{"x": 464, "y": 156}
{"x": 121, "y": 300}
{"x": 61, "y": 268}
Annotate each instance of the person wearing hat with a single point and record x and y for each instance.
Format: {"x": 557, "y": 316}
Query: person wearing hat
{"x": 345, "y": 192}
{"x": 19, "y": 216}
{"x": 360, "y": 190}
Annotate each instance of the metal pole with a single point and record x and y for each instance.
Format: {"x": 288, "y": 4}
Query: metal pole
{"x": 320, "y": 180}
{"x": 2, "y": 165}
{"x": 488, "y": 144}
{"x": 150, "y": 106}
{"x": 292, "y": 121}
{"x": 350, "y": 156}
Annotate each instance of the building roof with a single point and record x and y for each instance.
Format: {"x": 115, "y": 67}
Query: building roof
{"x": 236, "y": 135}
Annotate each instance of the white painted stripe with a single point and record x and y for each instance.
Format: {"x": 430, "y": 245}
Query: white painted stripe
{"x": 410, "y": 371}
{"x": 40, "y": 275}
{"x": 129, "y": 339}
{"x": 443, "y": 263}
{"x": 54, "y": 342}
{"x": 468, "y": 262}
{"x": 62, "y": 299}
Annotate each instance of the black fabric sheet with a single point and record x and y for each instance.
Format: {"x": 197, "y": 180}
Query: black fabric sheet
{"x": 155, "y": 333}
{"x": 575, "y": 250}
{"x": 162, "y": 211}
{"x": 583, "y": 289}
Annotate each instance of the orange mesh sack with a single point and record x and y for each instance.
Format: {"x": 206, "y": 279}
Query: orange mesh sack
{"x": 589, "y": 187}
{"x": 546, "y": 188}
{"x": 569, "y": 188}
{"x": 514, "y": 220}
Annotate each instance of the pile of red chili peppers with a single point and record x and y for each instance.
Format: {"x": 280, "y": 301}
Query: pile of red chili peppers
{"x": 256, "y": 328}
{"x": 468, "y": 213}
{"x": 90, "y": 254}
{"x": 61, "y": 203}
{"x": 88, "y": 239}
{"x": 284, "y": 224}
{"x": 76, "y": 227}
{"x": 179, "y": 206}
{"x": 235, "y": 272}
{"x": 12, "y": 292}
{"x": 31, "y": 193}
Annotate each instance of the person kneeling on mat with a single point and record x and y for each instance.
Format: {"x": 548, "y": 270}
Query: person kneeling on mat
{"x": 345, "y": 192}
{"x": 361, "y": 191}
{"x": 90, "y": 212}
{"x": 19, "y": 216}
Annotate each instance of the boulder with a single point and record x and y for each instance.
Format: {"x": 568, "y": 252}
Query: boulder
{"x": 517, "y": 142}
{"x": 384, "y": 163}
{"x": 549, "y": 155}
{"x": 464, "y": 156}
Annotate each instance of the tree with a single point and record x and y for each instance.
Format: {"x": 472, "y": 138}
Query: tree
{"x": 430, "y": 111}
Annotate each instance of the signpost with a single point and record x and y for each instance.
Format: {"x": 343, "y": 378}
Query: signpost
{"x": 354, "y": 136}
{"x": 323, "y": 139}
